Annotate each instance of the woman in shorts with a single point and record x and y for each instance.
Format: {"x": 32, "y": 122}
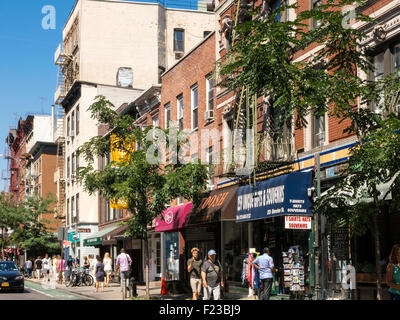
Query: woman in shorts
{"x": 107, "y": 268}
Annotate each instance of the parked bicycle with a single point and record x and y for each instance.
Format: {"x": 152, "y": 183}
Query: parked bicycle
{"x": 78, "y": 277}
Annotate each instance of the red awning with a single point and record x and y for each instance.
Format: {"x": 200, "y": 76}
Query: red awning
{"x": 174, "y": 218}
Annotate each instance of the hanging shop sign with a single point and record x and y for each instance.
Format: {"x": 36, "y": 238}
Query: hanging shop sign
{"x": 173, "y": 218}
{"x": 298, "y": 222}
{"x": 218, "y": 205}
{"x": 279, "y": 196}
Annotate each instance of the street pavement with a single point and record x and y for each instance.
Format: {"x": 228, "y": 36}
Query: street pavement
{"x": 113, "y": 292}
{"x": 29, "y": 294}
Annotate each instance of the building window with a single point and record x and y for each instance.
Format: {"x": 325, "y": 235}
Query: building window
{"x": 195, "y": 105}
{"x": 73, "y": 210}
{"x": 318, "y": 131}
{"x": 378, "y": 73}
{"x": 77, "y": 120}
{"x": 315, "y": 4}
{"x": 155, "y": 122}
{"x": 209, "y": 155}
{"x": 73, "y": 163}
{"x": 179, "y": 40}
{"x": 274, "y": 6}
{"x": 68, "y": 215}
{"x": 68, "y": 167}
{"x": 167, "y": 115}
{"x": 68, "y": 126}
{"x": 180, "y": 111}
{"x": 210, "y": 92}
{"x": 108, "y": 211}
{"x": 76, "y": 163}
{"x": 77, "y": 207}
{"x": 73, "y": 123}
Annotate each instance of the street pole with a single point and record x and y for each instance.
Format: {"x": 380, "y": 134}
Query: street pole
{"x": 316, "y": 228}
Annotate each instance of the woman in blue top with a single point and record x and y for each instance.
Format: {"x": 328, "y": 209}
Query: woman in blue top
{"x": 393, "y": 273}
{"x": 99, "y": 272}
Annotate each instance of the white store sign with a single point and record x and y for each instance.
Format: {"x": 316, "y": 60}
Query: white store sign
{"x": 298, "y": 222}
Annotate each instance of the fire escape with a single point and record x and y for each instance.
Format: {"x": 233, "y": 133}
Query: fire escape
{"x": 268, "y": 142}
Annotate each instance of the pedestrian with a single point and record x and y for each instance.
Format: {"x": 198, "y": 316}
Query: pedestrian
{"x": 86, "y": 263}
{"x": 38, "y": 265}
{"x": 54, "y": 263}
{"x": 393, "y": 273}
{"x": 211, "y": 274}
{"x": 61, "y": 269}
{"x": 28, "y": 267}
{"x": 123, "y": 264}
{"x": 70, "y": 266}
{"x": 46, "y": 266}
{"x": 265, "y": 264}
{"x": 107, "y": 268}
{"x": 77, "y": 262}
{"x": 99, "y": 271}
{"x": 194, "y": 269}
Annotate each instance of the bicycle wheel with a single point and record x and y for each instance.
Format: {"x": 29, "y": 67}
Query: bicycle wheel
{"x": 89, "y": 280}
{"x": 78, "y": 281}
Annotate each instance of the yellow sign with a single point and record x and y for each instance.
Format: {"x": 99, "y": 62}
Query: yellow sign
{"x": 119, "y": 155}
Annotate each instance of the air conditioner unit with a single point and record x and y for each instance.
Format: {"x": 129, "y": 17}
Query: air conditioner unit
{"x": 209, "y": 115}
{"x": 74, "y": 213}
{"x": 75, "y": 43}
{"x": 179, "y": 54}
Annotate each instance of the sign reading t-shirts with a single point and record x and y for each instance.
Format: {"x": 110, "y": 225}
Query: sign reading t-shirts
{"x": 279, "y": 196}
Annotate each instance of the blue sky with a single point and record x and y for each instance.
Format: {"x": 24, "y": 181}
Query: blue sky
{"x": 27, "y": 72}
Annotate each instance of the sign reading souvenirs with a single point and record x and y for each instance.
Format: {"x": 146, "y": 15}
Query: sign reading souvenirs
{"x": 279, "y": 196}
{"x": 298, "y": 222}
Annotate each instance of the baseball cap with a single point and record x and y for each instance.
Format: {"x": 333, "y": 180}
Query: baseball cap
{"x": 211, "y": 252}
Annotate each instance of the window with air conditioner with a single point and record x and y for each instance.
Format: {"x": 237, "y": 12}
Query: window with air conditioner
{"x": 179, "y": 40}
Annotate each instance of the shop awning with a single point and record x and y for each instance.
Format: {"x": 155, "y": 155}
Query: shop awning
{"x": 279, "y": 196}
{"x": 174, "y": 218}
{"x": 111, "y": 237}
{"x": 97, "y": 238}
{"x": 219, "y": 205}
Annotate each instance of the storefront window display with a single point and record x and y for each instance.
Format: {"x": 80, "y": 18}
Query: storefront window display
{"x": 235, "y": 239}
{"x": 171, "y": 255}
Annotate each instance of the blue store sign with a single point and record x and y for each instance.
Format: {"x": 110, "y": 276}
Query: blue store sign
{"x": 279, "y": 196}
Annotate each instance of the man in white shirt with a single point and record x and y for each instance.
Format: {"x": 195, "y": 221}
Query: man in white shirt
{"x": 46, "y": 267}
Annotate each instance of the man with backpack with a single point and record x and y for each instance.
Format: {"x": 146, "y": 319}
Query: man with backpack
{"x": 211, "y": 273}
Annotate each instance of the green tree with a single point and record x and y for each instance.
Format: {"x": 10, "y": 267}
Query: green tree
{"x": 373, "y": 177}
{"x": 262, "y": 60}
{"x": 32, "y": 233}
{"x": 263, "y": 56}
{"x": 10, "y": 218}
{"x": 147, "y": 186}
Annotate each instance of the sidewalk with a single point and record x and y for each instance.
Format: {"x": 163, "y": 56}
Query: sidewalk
{"x": 113, "y": 292}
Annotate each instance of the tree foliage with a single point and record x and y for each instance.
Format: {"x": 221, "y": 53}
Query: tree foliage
{"x": 32, "y": 233}
{"x": 147, "y": 187}
{"x": 263, "y": 59}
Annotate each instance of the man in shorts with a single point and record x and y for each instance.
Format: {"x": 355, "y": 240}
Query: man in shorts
{"x": 194, "y": 269}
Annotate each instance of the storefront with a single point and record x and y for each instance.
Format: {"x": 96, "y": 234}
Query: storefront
{"x": 168, "y": 248}
{"x": 212, "y": 226}
{"x": 278, "y": 216}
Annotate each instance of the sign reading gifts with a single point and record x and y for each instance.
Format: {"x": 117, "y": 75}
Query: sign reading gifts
{"x": 298, "y": 222}
{"x": 283, "y": 195}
